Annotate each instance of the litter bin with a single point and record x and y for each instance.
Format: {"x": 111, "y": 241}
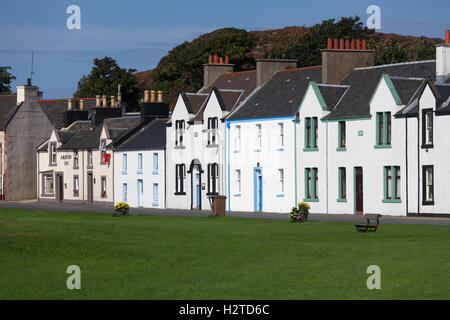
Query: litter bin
{"x": 218, "y": 205}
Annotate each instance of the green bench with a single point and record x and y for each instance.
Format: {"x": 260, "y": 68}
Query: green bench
{"x": 373, "y": 221}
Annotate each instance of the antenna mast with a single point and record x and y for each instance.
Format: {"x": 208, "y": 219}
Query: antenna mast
{"x": 32, "y": 62}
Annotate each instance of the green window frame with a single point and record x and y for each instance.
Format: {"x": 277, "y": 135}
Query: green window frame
{"x": 383, "y": 130}
{"x": 342, "y": 185}
{"x": 342, "y": 136}
{"x": 311, "y": 133}
{"x": 311, "y": 182}
{"x": 391, "y": 184}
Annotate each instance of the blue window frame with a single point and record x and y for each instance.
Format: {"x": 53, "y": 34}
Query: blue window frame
{"x": 139, "y": 164}
{"x": 155, "y": 163}
{"x": 124, "y": 163}
{"x": 124, "y": 192}
{"x": 155, "y": 194}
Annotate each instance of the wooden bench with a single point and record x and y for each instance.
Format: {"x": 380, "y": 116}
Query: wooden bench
{"x": 369, "y": 226}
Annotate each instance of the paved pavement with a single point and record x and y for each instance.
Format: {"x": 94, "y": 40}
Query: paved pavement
{"x": 176, "y": 212}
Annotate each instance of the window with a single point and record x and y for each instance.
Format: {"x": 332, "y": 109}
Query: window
{"x": 76, "y": 186}
{"x": 213, "y": 178}
{"x": 102, "y": 151}
{"x": 391, "y": 184}
{"x": 258, "y": 136}
{"x": 311, "y": 182}
{"x": 427, "y": 128}
{"x": 428, "y": 185}
{"x": 155, "y": 163}
{"x": 238, "y": 138}
{"x": 124, "y": 192}
{"x": 311, "y": 133}
{"x": 124, "y": 163}
{"x": 342, "y": 184}
{"x": 139, "y": 163}
{"x": 47, "y": 184}
{"x": 281, "y": 134}
{"x": 213, "y": 124}
{"x": 238, "y": 181}
{"x": 281, "y": 181}
{"x": 103, "y": 183}
{"x": 180, "y": 174}
{"x": 52, "y": 154}
{"x": 90, "y": 162}
{"x": 342, "y": 143}
{"x": 75, "y": 160}
{"x": 384, "y": 128}
{"x": 179, "y": 132}
{"x": 155, "y": 194}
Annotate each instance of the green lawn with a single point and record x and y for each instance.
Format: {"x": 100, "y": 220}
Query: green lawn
{"x": 157, "y": 257}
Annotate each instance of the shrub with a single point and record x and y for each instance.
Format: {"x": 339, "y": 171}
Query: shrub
{"x": 122, "y": 207}
{"x": 300, "y": 212}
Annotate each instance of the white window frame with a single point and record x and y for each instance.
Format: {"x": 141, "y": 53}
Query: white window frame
{"x": 258, "y": 135}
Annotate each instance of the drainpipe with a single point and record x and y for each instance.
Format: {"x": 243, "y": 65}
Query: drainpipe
{"x": 418, "y": 165}
{"x": 326, "y": 163}
{"x": 165, "y": 179}
{"x": 227, "y": 160}
{"x": 295, "y": 159}
{"x": 406, "y": 162}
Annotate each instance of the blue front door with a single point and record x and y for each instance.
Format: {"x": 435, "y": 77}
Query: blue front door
{"x": 140, "y": 192}
{"x": 197, "y": 188}
{"x": 258, "y": 188}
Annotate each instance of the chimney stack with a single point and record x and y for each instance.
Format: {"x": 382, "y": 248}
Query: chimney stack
{"x": 265, "y": 68}
{"x": 160, "y": 96}
{"x": 213, "y": 69}
{"x": 343, "y": 56}
{"x": 27, "y": 92}
{"x": 146, "y": 96}
{"x": 104, "y": 101}
{"x": 69, "y": 104}
{"x": 152, "y": 96}
{"x": 113, "y": 101}
{"x": 443, "y": 59}
{"x": 81, "y": 104}
{"x": 97, "y": 101}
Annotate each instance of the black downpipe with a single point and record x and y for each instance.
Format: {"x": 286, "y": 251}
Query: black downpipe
{"x": 418, "y": 164}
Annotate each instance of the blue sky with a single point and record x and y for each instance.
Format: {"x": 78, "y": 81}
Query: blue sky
{"x": 138, "y": 33}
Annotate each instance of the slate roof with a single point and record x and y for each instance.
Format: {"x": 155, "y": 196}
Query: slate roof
{"x": 443, "y": 91}
{"x": 149, "y": 137}
{"x": 332, "y": 94}
{"x": 193, "y": 101}
{"x": 280, "y": 95}
{"x": 244, "y": 80}
{"x": 89, "y": 138}
{"x": 363, "y": 82}
{"x": 54, "y": 109}
{"x": 7, "y": 108}
{"x": 227, "y": 98}
{"x": 412, "y": 103}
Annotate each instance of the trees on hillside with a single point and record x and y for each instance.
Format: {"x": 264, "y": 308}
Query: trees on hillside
{"x": 104, "y": 79}
{"x": 5, "y": 80}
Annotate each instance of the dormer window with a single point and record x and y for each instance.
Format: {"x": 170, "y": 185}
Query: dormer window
{"x": 179, "y": 132}
{"x": 75, "y": 159}
{"x": 52, "y": 154}
{"x": 213, "y": 125}
{"x": 383, "y": 128}
{"x": 102, "y": 150}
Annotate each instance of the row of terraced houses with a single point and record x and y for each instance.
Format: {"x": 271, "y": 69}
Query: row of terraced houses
{"x": 347, "y": 137}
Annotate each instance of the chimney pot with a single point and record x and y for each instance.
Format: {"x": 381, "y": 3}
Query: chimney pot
{"x": 69, "y": 104}
{"x": 358, "y": 44}
{"x": 146, "y": 95}
{"x": 81, "y": 104}
{"x": 216, "y": 58}
{"x": 227, "y": 60}
{"x": 152, "y": 96}
{"x": 341, "y": 44}
{"x": 330, "y": 43}
{"x": 447, "y": 36}
{"x": 113, "y": 101}
{"x": 104, "y": 100}
{"x": 221, "y": 60}
{"x": 160, "y": 97}
{"x": 335, "y": 43}
{"x": 97, "y": 101}
{"x": 364, "y": 44}
{"x": 353, "y": 44}
{"x": 347, "y": 44}
{"x": 210, "y": 59}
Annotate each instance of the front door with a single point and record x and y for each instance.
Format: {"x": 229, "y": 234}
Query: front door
{"x": 359, "y": 190}
{"x": 258, "y": 189}
{"x": 140, "y": 192}
{"x": 59, "y": 188}
{"x": 197, "y": 189}
{"x": 90, "y": 188}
